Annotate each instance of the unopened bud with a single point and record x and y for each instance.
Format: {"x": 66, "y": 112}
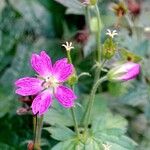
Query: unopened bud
{"x": 124, "y": 72}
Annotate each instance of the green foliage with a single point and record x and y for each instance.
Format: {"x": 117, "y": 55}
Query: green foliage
{"x": 136, "y": 95}
{"x": 73, "y": 7}
{"x": 59, "y": 115}
{"x": 105, "y": 129}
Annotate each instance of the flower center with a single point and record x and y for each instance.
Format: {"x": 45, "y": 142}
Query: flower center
{"x": 50, "y": 82}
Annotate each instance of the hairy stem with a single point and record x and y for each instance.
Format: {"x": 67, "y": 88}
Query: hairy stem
{"x": 75, "y": 122}
{"x": 72, "y": 109}
{"x": 91, "y": 101}
{"x": 98, "y": 71}
{"x": 98, "y": 34}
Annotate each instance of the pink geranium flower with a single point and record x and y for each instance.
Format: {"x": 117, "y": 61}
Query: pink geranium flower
{"x": 48, "y": 84}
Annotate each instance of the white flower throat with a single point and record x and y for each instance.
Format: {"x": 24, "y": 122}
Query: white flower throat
{"x": 50, "y": 82}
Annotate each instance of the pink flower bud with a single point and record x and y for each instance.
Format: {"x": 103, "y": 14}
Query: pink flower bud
{"x": 124, "y": 72}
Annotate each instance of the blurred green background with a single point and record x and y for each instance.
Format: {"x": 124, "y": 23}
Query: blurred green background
{"x": 28, "y": 26}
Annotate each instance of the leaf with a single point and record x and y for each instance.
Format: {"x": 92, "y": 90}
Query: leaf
{"x": 117, "y": 89}
{"x": 136, "y": 95}
{"x": 73, "y": 6}
{"x": 107, "y": 122}
{"x": 5, "y": 102}
{"x": 92, "y": 144}
{"x": 106, "y": 129}
{"x": 60, "y": 115}
{"x": 2, "y": 6}
{"x": 142, "y": 48}
{"x": 110, "y": 129}
{"x": 6, "y": 147}
{"x": 19, "y": 68}
{"x": 60, "y": 132}
{"x": 35, "y": 15}
{"x": 8, "y": 35}
{"x": 66, "y": 145}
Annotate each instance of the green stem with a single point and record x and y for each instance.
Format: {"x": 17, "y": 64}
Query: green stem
{"x": 91, "y": 101}
{"x": 98, "y": 34}
{"x": 87, "y": 17}
{"x": 69, "y": 57}
{"x": 34, "y": 124}
{"x": 72, "y": 109}
{"x": 75, "y": 122}
{"x": 98, "y": 71}
{"x": 37, "y": 139}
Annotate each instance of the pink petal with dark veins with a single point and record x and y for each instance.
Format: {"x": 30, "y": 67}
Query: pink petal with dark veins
{"x": 65, "y": 96}
{"x": 28, "y": 86}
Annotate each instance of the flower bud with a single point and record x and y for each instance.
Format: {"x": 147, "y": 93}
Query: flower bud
{"x": 124, "y": 72}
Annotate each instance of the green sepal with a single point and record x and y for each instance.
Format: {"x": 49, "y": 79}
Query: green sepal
{"x": 73, "y": 79}
{"x": 109, "y": 48}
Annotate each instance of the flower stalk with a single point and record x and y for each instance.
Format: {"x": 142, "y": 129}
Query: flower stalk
{"x": 38, "y": 130}
{"x": 72, "y": 87}
{"x": 98, "y": 34}
{"x": 87, "y": 116}
{"x": 97, "y": 81}
{"x": 98, "y": 43}
{"x": 75, "y": 122}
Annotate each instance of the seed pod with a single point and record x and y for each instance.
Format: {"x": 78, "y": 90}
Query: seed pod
{"x": 109, "y": 48}
{"x": 93, "y": 2}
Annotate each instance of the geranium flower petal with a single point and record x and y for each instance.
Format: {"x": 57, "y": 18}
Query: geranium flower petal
{"x": 62, "y": 70}
{"x": 41, "y": 103}
{"x": 131, "y": 73}
{"x": 41, "y": 64}
{"x": 28, "y": 86}
{"x": 65, "y": 96}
